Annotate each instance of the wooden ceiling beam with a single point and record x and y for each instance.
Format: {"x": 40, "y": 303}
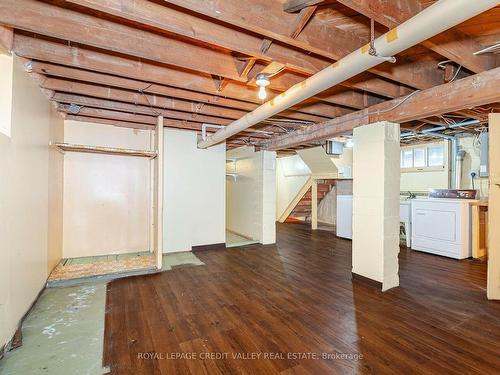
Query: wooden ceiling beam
{"x": 187, "y": 25}
{"x": 453, "y": 44}
{"x": 81, "y": 28}
{"x": 330, "y": 42}
{"x": 292, "y": 6}
{"x": 469, "y": 92}
{"x": 89, "y": 102}
{"x": 301, "y": 21}
{"x": 201, "y": 86}
{"x": 66, "y": 91}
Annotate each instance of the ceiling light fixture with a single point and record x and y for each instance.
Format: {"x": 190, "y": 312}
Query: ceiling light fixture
{"x": 262, "y": 80}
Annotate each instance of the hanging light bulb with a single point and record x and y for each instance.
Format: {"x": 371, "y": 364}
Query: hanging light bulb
{"x": 262, "y": 92}
{"x": 262, "y": 80}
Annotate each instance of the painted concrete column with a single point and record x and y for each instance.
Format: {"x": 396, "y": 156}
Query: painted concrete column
{"x": 267, "y": 188}
{"x": 376, "y": 175}
{"x": 493, "y": 288}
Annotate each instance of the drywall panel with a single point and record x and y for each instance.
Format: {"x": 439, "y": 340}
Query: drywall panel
{"x": 291, "y": 174}
{"x": 251, "y": 198}
{"x": 24, "y": 197}
{"x": 194, "y": 192}
{"x": 106, "y": 197}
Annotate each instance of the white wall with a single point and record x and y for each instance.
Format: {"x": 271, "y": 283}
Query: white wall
{"x": 251, "y": 199}
{"x": 106, "y": 197}
{"x": 24, "y": 198}
{"x": 194, "y": 192}
{"x": 291, "y": 174}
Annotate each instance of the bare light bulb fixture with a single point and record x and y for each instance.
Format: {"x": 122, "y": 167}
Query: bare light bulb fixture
{"x": 262, "y": 80}
{"x": 262, "y": 93}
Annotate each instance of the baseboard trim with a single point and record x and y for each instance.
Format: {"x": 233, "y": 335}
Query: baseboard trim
{"x": 356, "y": 278}
{"x": 241, "y": 234}
{"x": 215, "y": 246}
{"x": 17, "y": 339}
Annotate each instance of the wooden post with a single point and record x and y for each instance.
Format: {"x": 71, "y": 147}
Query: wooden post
{"x": 493, "y": 287}
{"x": 314, "y": 204}
{"x": 159, "y": 192}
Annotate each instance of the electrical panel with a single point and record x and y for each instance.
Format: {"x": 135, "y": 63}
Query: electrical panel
{"x": 483, "y": 154}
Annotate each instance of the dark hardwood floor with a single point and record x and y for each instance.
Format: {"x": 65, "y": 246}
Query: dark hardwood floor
{"x": 295, "y": 300}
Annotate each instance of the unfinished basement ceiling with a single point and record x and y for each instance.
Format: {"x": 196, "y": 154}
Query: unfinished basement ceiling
{"x": 125, "y": 62}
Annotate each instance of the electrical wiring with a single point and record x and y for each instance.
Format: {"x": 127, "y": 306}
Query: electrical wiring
{"x": 375, "y": 112}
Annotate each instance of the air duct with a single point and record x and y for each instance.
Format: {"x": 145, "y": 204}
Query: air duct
{"x": 433, "y": 20}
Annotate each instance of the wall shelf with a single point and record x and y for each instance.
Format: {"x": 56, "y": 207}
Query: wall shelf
{"x": 64, "y": 147}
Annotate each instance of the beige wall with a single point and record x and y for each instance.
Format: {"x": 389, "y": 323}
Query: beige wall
{"x": 25, "y": 247}
{"x": 251, "y": 198}
{"x": 194, "y": 192}
{"x": 106, "y": 197}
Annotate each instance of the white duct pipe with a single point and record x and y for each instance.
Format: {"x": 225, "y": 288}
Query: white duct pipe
{"x": 433, "y": 20}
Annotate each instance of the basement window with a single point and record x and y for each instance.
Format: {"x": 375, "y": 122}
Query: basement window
{"x": 422, "y": 158}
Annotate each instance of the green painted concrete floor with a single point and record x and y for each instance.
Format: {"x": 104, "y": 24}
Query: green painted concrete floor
{"x": 64, "y": 332}
{"x": 234, "y": 240}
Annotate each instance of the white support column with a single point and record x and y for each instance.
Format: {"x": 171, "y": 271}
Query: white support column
{"x": 268, "y": 198}
{"x": 158, "y": 193}
{"x": 376, "y": 174}
{"x": 493, "y": 286}
{"x": 314, "y": 204}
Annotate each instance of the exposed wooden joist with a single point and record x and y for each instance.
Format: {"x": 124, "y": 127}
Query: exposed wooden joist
{"x": 71, "y": 92}
{"x": 473, "y": 91}
{"x": 6, "y": 39}
{"x": 168, "y": 19}
{"x": 172, "y": 20}
{"x": 292, "y": 6}
{"x": 302, "y": 19}
{"x": 453, "y": 44}
{"x": 330, "y": 42}
{"x": 118, "y": 66}
{"x": 77, "y": 27}
{"x": 86, "y": 102}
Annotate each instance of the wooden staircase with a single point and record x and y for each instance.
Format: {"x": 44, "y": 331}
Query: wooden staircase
{"x": 302, "y": 210}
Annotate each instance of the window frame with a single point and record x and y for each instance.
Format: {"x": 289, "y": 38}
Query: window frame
{"x": 425, "y": 168}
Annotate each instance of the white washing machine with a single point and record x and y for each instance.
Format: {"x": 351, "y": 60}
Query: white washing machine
{"x": 442, "y": 225}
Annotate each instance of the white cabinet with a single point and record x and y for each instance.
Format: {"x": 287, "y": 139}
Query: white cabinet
{"x": 442, "y": 227}
{"x": 344, "y": 216}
